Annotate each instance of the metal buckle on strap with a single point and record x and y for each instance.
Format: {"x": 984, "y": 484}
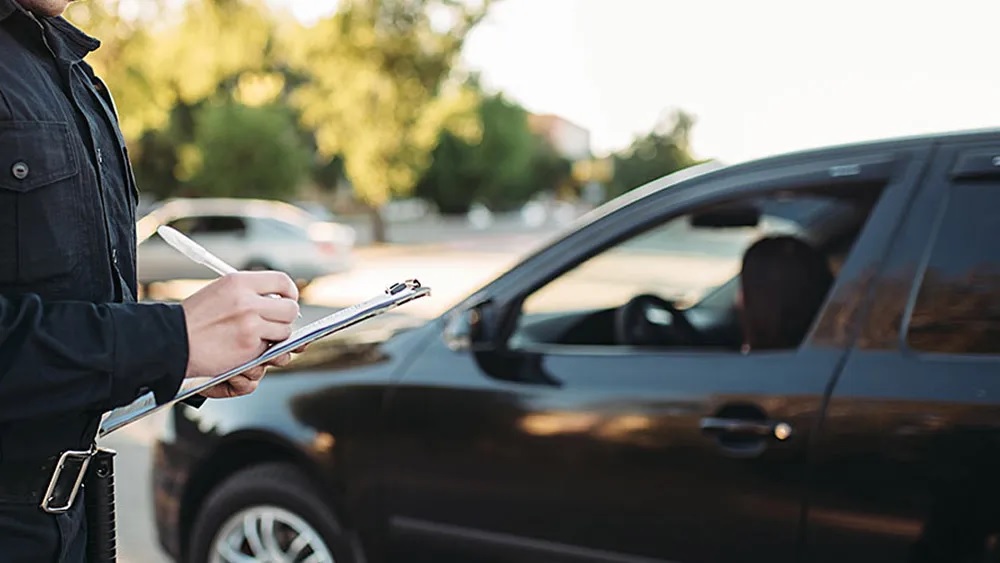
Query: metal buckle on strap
{"x": 70, "y": 460}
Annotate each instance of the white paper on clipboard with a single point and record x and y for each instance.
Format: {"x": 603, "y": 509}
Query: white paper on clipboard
{"x": 394, "y": 296}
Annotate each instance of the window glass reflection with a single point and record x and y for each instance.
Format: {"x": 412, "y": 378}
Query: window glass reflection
{"x": 958, "y": 307}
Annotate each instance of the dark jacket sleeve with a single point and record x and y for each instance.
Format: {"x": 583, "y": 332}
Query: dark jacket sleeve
{"x": 67, "y": 356}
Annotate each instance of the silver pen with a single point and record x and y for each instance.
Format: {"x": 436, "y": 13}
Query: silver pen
{"x": 197, "y": 253}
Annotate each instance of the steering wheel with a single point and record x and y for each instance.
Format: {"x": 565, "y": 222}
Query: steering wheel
{"x": 633, "y": 326}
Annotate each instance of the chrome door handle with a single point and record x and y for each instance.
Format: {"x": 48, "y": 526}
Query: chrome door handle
{"x": 763, "y": 429}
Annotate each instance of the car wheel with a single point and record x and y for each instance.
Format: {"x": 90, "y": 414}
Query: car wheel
{"x": 269, "y": 513}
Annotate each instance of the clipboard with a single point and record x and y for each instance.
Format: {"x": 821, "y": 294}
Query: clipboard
{"x": 393, "y": 296}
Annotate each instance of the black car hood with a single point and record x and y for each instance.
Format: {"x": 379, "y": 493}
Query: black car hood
{"x": 353, "y": 347}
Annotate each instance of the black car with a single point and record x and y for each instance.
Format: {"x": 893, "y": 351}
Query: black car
{"x": 599, "y": 401}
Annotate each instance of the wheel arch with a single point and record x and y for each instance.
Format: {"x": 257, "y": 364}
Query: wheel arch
{"x": 237, "y": 452}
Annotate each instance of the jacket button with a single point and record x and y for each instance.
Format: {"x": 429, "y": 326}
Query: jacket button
{"x": 19, "y": 170}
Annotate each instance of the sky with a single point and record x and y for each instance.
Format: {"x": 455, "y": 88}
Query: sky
{"x": 760, "y": 77}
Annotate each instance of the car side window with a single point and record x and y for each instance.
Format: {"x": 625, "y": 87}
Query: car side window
{"x": 679, "y": 283}
{"x": 222, "y": 225}
{"x": 280, "y": 229}
{"x": 185, "y": 225}
{"x": 957, "y": 309}
{"x": 210, "y": 225}
{"x": 674, "y": 261}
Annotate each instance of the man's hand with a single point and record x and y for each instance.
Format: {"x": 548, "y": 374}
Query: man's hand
{"x": 246, "y": 382}
{"x": 232, "y": 320}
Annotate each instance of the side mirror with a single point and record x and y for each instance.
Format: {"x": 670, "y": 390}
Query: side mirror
{"x": 465, "y": 329}
{"x": 474, "y": 329}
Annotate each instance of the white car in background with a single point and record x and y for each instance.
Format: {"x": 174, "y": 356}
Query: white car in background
{"x": 250, "y": 234}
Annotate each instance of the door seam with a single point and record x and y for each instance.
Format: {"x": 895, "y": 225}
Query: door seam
{"x": 864, "y": 308}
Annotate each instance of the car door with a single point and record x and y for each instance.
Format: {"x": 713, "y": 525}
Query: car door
{"x": 907, "y": 465}
{"x": 589, "y": 452}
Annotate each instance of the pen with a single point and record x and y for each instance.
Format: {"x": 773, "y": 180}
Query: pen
{"x": 196, "y": 252}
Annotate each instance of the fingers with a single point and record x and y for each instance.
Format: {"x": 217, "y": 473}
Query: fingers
{"x": 281, "y": 361}
{"x": 241, "y": 385}
{"x": 246, "y": 382}
{"x": 235, "y": 319}
{"x": 253, "y": 374}
{"x": 275, "y": 332}
{"x": 279, "y": 310}
{"x": 265, "y": 283}
{"x": 235, "y": 387}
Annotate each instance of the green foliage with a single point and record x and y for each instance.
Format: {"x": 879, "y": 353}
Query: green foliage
{"x": 122, "y": 61}
{"x": 248, "y": 152}
{"x": 229, "y": 97}
{"x": 663, "y": 151}
{"x": 327, "y": 175}
{"x": 549, "y": 169}
{"x": 155, "y": 161}
{"x": 378, "y": 93}
{"x": 500, "y": 171}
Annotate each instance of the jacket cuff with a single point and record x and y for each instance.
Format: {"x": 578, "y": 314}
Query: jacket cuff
{"x": 151, "y": 350}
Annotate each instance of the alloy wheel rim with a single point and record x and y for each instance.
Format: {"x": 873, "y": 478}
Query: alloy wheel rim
{"x": 268, "y": 534}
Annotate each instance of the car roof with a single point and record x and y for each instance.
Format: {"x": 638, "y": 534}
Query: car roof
{"x": 712, "y": 166}
{"x": 247, "y": 207}
{"x": 639, "y": 195}
{"x": 236, "y": 207}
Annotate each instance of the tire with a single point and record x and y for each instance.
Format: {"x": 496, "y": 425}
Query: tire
{"x": 281, "y": 491}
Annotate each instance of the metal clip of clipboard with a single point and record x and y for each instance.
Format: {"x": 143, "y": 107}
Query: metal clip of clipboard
{"x": 395, "y": 295}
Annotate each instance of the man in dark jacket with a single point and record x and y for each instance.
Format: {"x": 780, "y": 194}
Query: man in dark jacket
{"x": 73, "y": 341}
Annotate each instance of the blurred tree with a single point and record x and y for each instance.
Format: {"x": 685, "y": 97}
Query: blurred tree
{"x": 379, "y": 92}
{"x": 664, "y": 150}
{"x": 164, "y": 61}
{"x": 156, "y": 55}
{"x": 156, "y": 163}
{"x": 245, "y": 151}
{"x": 216, "y": 42}
{"x": 128, "y": 35}
{"x": 498, "y": 171}
{"x": 551, "y": 170}
{"x": 328, "y": 173}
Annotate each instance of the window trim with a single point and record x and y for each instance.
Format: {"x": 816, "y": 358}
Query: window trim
{"x": 918, "y": 278}
{"x": 903, "y": 344}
